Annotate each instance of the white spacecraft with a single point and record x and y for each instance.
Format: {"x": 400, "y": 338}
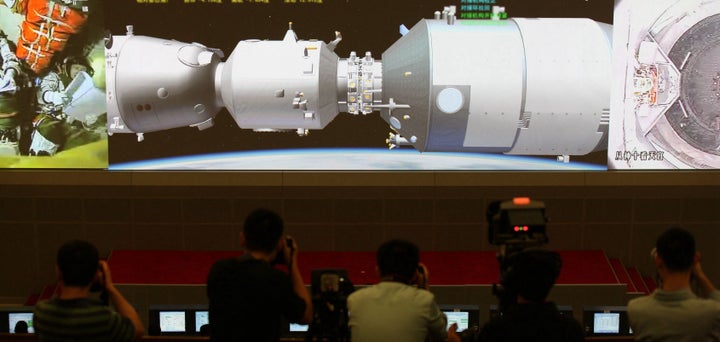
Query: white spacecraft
{"x": 521, "y": 86}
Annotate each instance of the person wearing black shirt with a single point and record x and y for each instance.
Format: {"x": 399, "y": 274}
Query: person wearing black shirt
{"x": 529, "y": 275}
{"x": 248, "y": 297}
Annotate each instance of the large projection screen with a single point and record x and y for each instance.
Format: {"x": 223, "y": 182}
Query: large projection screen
{"x": 359, "y": 85}
{"x": 227, "y": 85}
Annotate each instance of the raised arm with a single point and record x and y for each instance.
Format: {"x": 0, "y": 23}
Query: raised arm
{"x": 706, "y": 286}
{"x": 122, "y": 306}
{"x": 291, "y": 254}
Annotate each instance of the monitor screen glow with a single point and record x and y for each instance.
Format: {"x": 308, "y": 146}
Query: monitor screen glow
{"x": 172, "y": 321}
{"x": 15, "y": 317}
{"x": 294, "y": 327}
{"x": 606, "y": 323}
{"x": 201, "y": 318}
{"x": 461, "y": 318}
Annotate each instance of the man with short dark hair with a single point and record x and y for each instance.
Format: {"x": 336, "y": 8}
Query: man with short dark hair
{"x": 248, "y": 297}
{"x": 528, "y": 276}
{"x": 399, "y": 308}
{"x": 73, "y": 315}
{"x": 673, "y": 312}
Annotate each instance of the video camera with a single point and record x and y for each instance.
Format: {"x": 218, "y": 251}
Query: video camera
{"x": 514, "y": 225}
{"x": 330, "y": 290}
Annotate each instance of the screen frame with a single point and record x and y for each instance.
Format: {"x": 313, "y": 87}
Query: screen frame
{"x": 5, "y": 312}
{"x": 589, "y": 320}
{"x": 195, "y": 319}
{"x": 600, "y": 315}
{"x": 472, "y": 310}
{"x": 188, "y": 309}
{"x": 288, "y": 333}
{"x": 162, "y": 313}
{"x": 355, "y": 178}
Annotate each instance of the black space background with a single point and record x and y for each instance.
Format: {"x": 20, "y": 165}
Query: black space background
{"x": 369, "y": 25}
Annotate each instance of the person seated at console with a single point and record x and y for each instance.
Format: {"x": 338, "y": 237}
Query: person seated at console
{"x": 528, "y": 276}
{"x": 400, "y": 307}
{"x": 673, "y": 312}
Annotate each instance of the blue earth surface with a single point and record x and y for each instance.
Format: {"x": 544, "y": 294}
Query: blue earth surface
{"x": 353, "y": 159}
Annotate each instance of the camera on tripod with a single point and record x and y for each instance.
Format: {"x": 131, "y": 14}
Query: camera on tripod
{"x": 514, "y": 226}
{"x": 330, "y": 289}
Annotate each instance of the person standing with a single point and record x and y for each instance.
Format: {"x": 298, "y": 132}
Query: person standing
{"x": 248, "y": 297}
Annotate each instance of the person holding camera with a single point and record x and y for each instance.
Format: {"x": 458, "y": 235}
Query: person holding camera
{"x": 73, "y": 315}
{"x": 248, "y": 297}
{"x": 673, "y": 312}
{"x": 399, "y": 308}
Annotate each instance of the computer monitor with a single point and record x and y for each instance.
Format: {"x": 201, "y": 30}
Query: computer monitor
{"x": 606, "y": 321}
{"x": 465, "y": 316}
{"x": 201, "y": 318}
{"x": 177, "y": 320}
{"x": 461, "y": 318}
{"x": 172, "y": 321}
{"x": 15, "y": 317}
{"x": 295, "y": 331}
{"x": 10, "y": 315}
{"x": 295, "y": 327}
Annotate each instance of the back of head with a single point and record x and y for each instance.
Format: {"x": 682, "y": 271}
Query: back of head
{"x": 399, "y": 259}
{"x": 262, "y": 229}
{"x": 205, "y": 330}
{"x": 21, "y": 327}
{"x": 676, "y": 248}
{"x": 78, "y": 263}
{"x": 532, "y": 273}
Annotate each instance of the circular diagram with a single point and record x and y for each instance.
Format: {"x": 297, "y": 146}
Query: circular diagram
{"x": 696, "y": 117}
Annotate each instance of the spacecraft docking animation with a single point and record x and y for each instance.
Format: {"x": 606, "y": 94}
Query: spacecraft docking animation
{"x": 518, "y": 86}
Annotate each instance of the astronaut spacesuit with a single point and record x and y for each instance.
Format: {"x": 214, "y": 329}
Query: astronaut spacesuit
{"x": 53, "y": 130}
{"x": 14, "y": 84}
